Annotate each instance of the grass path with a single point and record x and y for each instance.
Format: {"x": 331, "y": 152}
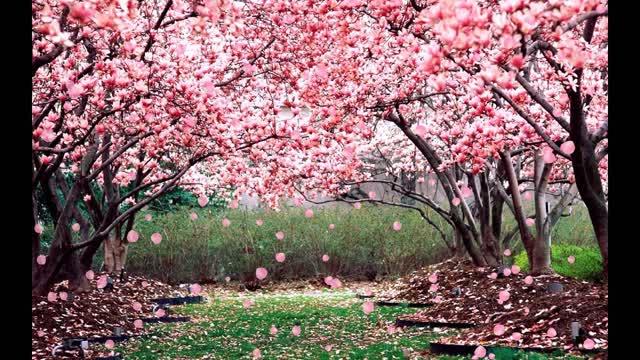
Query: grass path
{"x": 224, "y": 329}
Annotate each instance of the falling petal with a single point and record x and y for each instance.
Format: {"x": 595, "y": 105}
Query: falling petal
{"x": 261, "y": 273}
{"x": 280, "y": 257}
{"x": 588, "y": 344}
{"x": 367, "y": 307}
{"x": 137, "y": 306}
{"x": 296, "y": 330}
{"x": 156, "y": 238}
{"x": 568, "y": 147}
{"x": 195, "y": 289}
{"x": 132, "y": 236}
{"x": 480, "y": 352}
{"x": 203, "y": 201}
{"x": 89, "y": 275}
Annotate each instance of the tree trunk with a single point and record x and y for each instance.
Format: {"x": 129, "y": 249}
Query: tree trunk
{"x": 115, "y": 254}
{"x": 541, "y": 249}
{"x": 525, "y": 235}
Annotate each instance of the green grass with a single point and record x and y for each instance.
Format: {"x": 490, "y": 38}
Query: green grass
{"x": 223, "y": 329}
{"x": 230, "y": 331}
{"x": 588, "y": 264}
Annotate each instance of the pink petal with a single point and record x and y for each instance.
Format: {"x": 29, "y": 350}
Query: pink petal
{"x": 259, "y": 222}
{"x": 280, "y": 235}
{"x": 367, "y": 307}
{"x": 38, "y": 228}
{"x": 515, "y": 269}
{"x": 296, "y": 330}
{"x": 480, "y": 352}
{"x": 195, "y": 289}
{"x": 528, "y": 280}
{"x": 89, "y": 275}
{"x": 261, "y": 273}
{"x": 507, "y": 252}
{"x": 137, "y": 306}
{"x": 273, "y": 330}
{"x": 226, "y": 222}
{"x": 138, "y": 324}
{"x": 571, "y": 259}
{"x": 397, "y": 226}
{"x": 504, "y": 295}
{"x": 156, "y": 238}
{"x": 455, "y": 201}
{"x": 203, "y": 201}
{"x": 280, "y": 257}
{"x": 551, "y": 333}
{"x": 325, "y": 258}
{"x": 516, "y": 336}
{"x": 41, "y": 259}
{"x": 75, "y": 227}
{"x": 588, "y": 344}
{"x": 498, "y": 329}
{"x": 332, "y": 226}
{"x": 568, "y": 147}
{"x": 109, "y": 344}
{"x": 308, "y": 213}
{"x": 433, "y": 278}
{"x": 132, "y": 236}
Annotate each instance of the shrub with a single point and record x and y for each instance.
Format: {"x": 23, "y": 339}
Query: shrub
{"x": 588, "y": 264}
{"x": 362, "y": 245}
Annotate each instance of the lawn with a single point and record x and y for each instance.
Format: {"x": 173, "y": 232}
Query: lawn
{"x": 225, "y": 329}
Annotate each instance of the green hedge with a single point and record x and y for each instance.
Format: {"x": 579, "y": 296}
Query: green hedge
{"x": 362, "y": 245}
